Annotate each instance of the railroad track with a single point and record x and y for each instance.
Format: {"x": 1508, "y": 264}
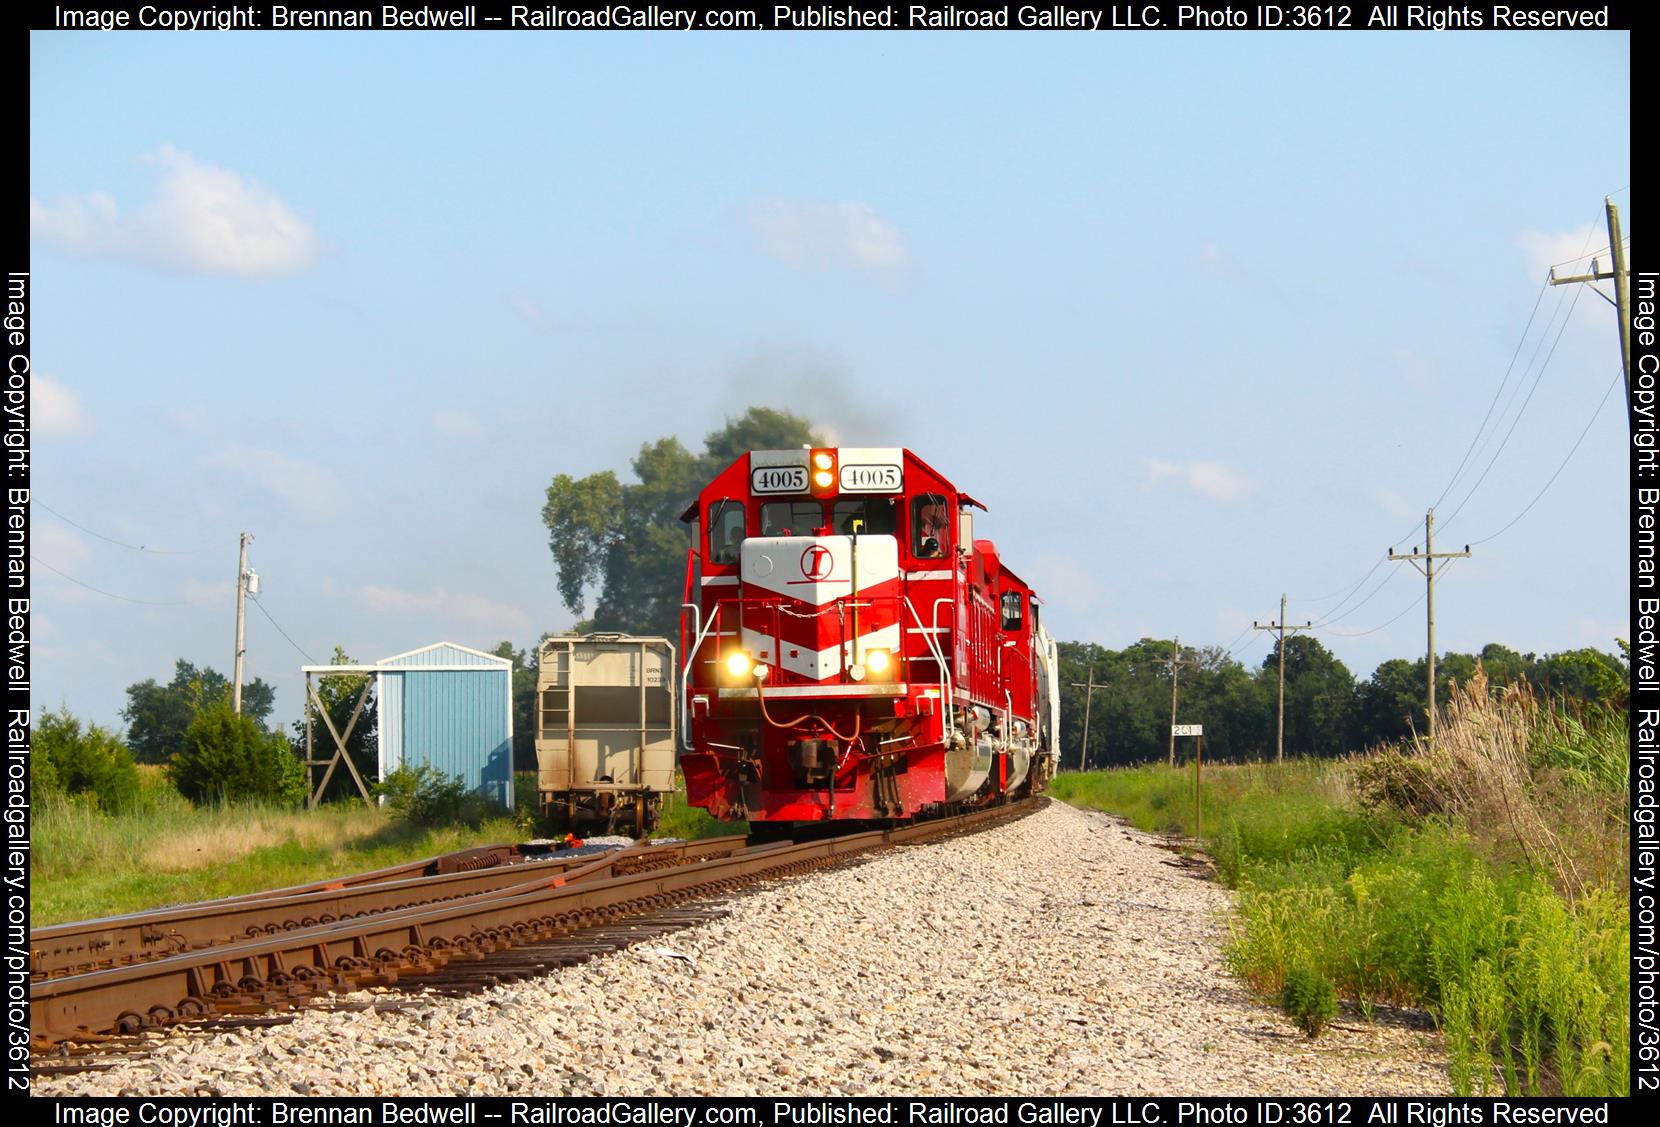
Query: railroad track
{"x": 248, "y": 955}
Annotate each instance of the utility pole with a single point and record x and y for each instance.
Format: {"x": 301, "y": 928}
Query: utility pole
{"x": 1282, "y": 628}
{"x": 242, "y": 587}
{"x": 1089, "y": 696}
{"x": 1173, "y": 666}
{"x": 1621, "y": 300}
{"x": 1429, "y": 555}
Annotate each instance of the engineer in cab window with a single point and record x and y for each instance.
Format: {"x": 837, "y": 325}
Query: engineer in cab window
{"x": 930, "y": 526}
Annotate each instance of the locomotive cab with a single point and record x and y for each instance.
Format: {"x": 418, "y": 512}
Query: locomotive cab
{"x": 845, "y": 656}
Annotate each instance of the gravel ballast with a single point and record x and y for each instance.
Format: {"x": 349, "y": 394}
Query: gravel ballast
{"x": 1060, "y": 954}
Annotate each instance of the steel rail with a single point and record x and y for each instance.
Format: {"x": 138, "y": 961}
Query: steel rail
{"x": 276, "y": 969}
{"x": 94, "y": 944}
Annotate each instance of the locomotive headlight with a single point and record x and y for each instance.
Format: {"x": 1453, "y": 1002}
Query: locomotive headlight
{"x": 738, "y": 663}
{"x": 823, "y": 464}
{"x": 877, "y": 661}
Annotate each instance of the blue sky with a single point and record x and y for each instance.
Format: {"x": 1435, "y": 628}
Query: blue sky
{"x": 1202, "y": 317}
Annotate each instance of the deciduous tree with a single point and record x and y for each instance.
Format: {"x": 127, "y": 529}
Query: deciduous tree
{"x": 624, "y": 543}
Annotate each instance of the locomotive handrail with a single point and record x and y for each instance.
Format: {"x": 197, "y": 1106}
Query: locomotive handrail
{"x": 928, "y": 636}
{"x": 686, "y": 672}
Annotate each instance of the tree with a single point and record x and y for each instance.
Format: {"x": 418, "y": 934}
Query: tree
{"x": 1319, "y": 696}
{"x": 525, "y": 674}
{"x": 627, "y": 540}
{"x": 157, "y": 715}
{"x": 1390, "y": 706}
{"x": 339, "y": 692}
{"x": 228, "y": 757}
{"x": 1129, "y": 721}
{"x": 95, "y": 762}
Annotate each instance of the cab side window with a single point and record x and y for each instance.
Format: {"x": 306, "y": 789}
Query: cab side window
{"x": 928, "y": 526}
{"x": 1012, "y": 610}
{"x": 726, "y": 531}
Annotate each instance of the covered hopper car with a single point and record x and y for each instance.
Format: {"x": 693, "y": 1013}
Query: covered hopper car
{"x": 605, "y": 731}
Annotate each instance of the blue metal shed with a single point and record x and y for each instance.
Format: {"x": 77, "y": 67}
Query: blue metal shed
{"x": 450, "y": 707}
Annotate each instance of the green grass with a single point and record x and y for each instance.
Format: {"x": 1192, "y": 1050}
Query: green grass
{"x": 692, "y": 823}
{"x": 1527, "y": 974}
{"x": 87, "y": 863}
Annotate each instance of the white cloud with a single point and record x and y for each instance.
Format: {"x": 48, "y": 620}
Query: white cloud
{"x": 1394, "y": 504}
{"x": 457, "y": 424}
{"x": 1061, "y": 581}
{"x": 531, "y": 310}
{"x": 1572, "y": 249}
{"x": 1210, "y": 479}
{"x": 1216, "y": 481}
{"x": 811, "y": 235}
{"x": 60, "y": 547}
{"x": 1217, "y": 261}
{"x": 310, "y": 488}
{"x": 211, "y": 596}
{"x": 202, "y": 220}
{"x": 1415, "y": 371}
{"x": 55, "y": 410}
{"x": 449, "y": 608}
{"x": 191, "y": 420}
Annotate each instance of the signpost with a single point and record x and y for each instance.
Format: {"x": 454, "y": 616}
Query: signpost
{"x": 1197, "y": 731}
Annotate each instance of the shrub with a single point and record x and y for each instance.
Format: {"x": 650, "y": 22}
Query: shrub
{"x": 1309, "y": 999}
{"x": 426, "y": 796}
{"x": 94, "y": 763}
{"x": 228, "y": 757}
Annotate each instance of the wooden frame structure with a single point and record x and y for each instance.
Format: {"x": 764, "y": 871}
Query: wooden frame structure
{"x": 314, "y": 702}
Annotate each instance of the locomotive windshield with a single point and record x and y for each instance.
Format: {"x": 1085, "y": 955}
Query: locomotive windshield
{"x": 876, "y": 516}
{"x": 791, "y": 518}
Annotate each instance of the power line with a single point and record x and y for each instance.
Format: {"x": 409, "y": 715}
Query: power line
{"x": 1519, "y": 412}
{"x": 1625, "y": 242}
{"x": 112, "y": 540}
{"x": 1429, "y": 555}
{"x": 1497, "y": 392}
{"x": 1283, "y": 628}
{"x": 1380, "y": 626}
{"x": 1601, "y": 403}
{"x": 100, "y": 591}
{"x": 283, "y": 632}
{"x": 1340, "y": 617}
{"x": 1478, "y": 439}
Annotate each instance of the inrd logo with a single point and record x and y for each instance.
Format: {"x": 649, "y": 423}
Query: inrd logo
{"x": 817, "y": 563}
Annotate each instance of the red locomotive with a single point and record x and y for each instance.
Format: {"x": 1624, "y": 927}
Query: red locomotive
{"x": 851, "y": 652}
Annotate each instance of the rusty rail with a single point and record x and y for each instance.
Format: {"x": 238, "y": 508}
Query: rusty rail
{"x": 121, "y": 940}
{"x": 376, "y": 949}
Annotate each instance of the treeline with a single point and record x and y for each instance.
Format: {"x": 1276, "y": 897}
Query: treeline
{"x": 1328, "y": 711}
{"x": 209, "y": 752}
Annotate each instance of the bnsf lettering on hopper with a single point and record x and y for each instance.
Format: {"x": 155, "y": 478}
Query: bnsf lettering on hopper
{"x": 850, "y": 651}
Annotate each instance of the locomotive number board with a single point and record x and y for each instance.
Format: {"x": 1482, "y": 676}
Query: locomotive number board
{"x": 859, "y": 469}
{"x": 778, "y": 479}
{"x": 870, "y": 469}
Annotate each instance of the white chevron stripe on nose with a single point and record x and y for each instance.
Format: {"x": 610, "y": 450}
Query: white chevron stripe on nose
{"x": 816, "y": 664}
